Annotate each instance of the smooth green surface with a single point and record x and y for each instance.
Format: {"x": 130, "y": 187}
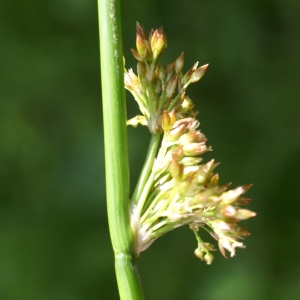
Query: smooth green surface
{"x": 53, "y": 225}
{"x": 147, "y": 167}
{"x": 116, "y": 149}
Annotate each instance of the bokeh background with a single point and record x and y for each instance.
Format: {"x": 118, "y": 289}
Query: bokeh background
{"x": 54, "y": 242}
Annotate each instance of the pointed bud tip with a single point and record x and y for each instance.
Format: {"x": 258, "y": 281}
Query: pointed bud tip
{"x": 140, "y": 46}
{"x": 179, "y": 63}
{"x": 208, "y": 257}
{"x": 166, "y": 121}
{"x": 136, "y": 55}
{"x": 171, "y": 86}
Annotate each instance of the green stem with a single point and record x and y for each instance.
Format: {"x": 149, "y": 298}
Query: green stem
{"x": 145, "y": 193}
{"x": 151, "y": 206}
{"x": 174, "y": 101}
{"x": 116, "y": 152}
{"x": 199, "y": 240}
{"x": 147, "y": 168}
{"x": 150, "y": 100}
{"x": 162, "y": 100}
{"x": 164, "y": 226}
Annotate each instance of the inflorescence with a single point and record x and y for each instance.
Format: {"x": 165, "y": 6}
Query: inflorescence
{"x": 184, "y": 191}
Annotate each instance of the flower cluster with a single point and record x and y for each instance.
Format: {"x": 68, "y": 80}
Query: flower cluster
{"x": 156, "y": 88}
{"x": 180, "y": 190}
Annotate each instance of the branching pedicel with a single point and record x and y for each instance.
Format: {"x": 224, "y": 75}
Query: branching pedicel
{"x": 179, "y": 189}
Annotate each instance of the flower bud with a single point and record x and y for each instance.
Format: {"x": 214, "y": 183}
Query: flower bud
{"x": 136, "y": 55}
{"x": 176, "y": 133}
{"x": 181, "y": 90}
{"x": 187, "y": 104}
{"x": 220, "y": 226}
{"x": 242, "y": 232}
{"x": 150, "y": 35}
{"x": 233, "y": 195}
{"x": 177, "y": 152}
{"x": 208, "y": 258}
{"x": 173, "y": 117}
{"x": 243, "y": 214}
{"x": 198, "y": 74}
{"x": 171, "y": 86}
{"x": 214, "y": 181}
{"x": 131, "y": 81}
{"x": 166, "y": 121}
{"x": 150, "y": 72}
{"x": 242, "y": 201}
{"x": 160, "y": 72}
{"x": 228, "y": 211}
{"x": 157, "y": 43}
{"x": 194, "y": 149}
{"x": 141, "y": 68}
{"x": 186, "y": 78}
{"x": 190, "y": 171}
{"x": 153, "y": 37}
{"x": 191, "y": 137}
{"x": 169, "y": 71}
{"x": 140, "y": 31}
{"x": 205, "y": 171}
{"x": 140, "y": 46}
{"x": 179, "y": 62}
{"x": 157, "y": 86}
{"x": 176, "y": 169}
{"x": 190, "y": 161}
{"x": 199, "y": 253}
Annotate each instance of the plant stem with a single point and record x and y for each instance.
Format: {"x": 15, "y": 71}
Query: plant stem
{"x": 116, "y": 152}
{"x": 147, "y": 167}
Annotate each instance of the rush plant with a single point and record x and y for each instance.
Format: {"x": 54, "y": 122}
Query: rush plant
{"x": 176, "y": 187}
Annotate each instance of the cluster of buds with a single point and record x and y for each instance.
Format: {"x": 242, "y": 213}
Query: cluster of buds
{"x": 186, "y": 192}
{"x": 181, "y": 190}
{"x": 156, "y": 88}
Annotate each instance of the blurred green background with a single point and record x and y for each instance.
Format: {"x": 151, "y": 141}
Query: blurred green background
{"x": 54, "y": 242}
